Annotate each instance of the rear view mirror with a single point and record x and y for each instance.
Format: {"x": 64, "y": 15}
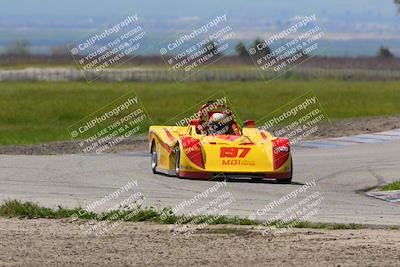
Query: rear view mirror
{"x": 195, "y": 122}
{"x": 249, "y": 124}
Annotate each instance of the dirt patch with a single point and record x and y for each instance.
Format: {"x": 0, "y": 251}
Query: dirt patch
{"x": 43, "y": 242}
{"x": 358, "y": 126}
{"x": 139, "y": 143}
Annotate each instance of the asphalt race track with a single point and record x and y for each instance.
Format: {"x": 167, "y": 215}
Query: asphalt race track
{"x": 340, "y": 174}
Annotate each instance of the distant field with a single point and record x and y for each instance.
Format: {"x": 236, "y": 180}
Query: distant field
{"x": 366, "y": 63}
{"x": 37, "y": 112}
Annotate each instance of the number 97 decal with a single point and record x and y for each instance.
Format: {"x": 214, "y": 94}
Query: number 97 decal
{"x": 233, "y": 152}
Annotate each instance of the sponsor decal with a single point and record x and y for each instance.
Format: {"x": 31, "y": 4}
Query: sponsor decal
{"x": 235, "y": 156}
{"x": 233, "y": 152}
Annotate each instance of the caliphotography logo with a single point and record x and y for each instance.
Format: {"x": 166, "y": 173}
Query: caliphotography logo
{"x": 204, "y": 44}
{"x": 111, "y": 46}
{"x": 111, "y": 125}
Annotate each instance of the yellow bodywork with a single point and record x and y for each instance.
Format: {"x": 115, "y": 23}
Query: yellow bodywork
{"x": 250, "y": 153}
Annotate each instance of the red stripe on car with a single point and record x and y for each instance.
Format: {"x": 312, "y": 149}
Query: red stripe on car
{"x": 170, "y": 136}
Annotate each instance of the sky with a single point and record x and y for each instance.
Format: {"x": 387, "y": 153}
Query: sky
{"x": 184, "y": 8}
{"x": 178, "y": 8}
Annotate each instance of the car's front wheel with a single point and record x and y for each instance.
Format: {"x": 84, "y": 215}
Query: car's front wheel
{"x": 153, "y": 158}
{"x": 177, "y": 162}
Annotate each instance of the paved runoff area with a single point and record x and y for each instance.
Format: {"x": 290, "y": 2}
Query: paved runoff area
{"x": 328, "y": 184}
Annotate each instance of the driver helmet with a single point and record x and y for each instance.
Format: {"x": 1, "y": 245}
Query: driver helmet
{"x": 217, "y": 117}
{"x": 216, "y": 123}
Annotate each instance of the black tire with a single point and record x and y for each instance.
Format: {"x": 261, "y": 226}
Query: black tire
{"x": 287, "y": 180}
{"x": 177, "y": 162}
{"x": 153, "y": 158}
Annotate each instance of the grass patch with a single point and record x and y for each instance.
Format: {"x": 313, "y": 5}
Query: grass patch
{"x": 18, "y": 209}
{"x": 390, "y": 187}
{"x": 15, "y": 208}
{"x": 40, "y": 112}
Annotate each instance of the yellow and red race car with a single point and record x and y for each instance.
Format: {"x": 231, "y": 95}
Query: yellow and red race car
{"x": 214, "y": 144}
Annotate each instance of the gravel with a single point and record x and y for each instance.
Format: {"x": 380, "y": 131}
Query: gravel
{"x": 45, "y": 242}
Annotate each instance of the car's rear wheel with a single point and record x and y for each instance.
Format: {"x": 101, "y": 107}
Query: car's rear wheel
{"x": 154, "y": 158}
{"x": 287, "y": 180}
{"x": 177, "y": 162}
